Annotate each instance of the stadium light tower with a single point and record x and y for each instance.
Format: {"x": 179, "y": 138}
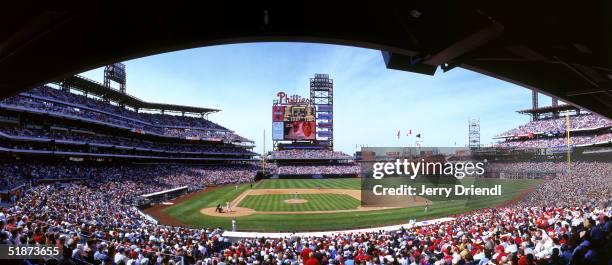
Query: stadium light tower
{"x": 474, "y": 133}
{"x": 115, "y": 72}
{"x": 322, "y": 97}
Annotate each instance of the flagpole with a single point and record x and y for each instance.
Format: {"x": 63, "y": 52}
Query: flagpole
{"x": 408, "y": 135}
{"x": 569, "y": 142}
{"x": 263, "y": 157}
{"x": 408, "y": 141}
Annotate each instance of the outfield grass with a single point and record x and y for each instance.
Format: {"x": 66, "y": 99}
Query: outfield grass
{"x": 188, "y": 212}
{"x": 315, "y": 202}
{"x": 341, "y": 183}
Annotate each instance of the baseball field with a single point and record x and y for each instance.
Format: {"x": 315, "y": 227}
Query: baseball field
{"x": 287, "y": 205}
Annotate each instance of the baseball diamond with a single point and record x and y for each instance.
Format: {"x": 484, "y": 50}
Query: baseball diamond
{"x": 327, "y": 207}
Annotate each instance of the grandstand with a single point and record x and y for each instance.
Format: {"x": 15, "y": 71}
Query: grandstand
{"x": 549, "y": 130}
{"x": 95, "y": 220}
{"x": 299, "y": 163}
{"x": 64, "y": 122}
{"x": 83, "y": 130}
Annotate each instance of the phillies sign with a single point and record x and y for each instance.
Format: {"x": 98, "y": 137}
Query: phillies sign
{"x": 284, "y": 99}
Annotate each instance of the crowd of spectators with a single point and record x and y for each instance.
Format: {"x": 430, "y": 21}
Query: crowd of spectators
{"x": 584, "y": 184}
{"x": 544, "y": 168}
{"x": 338, "y": 169}
{"x": 310, "y": 154}
{"x": 76, "y": 112}
{"x": 585, "y": 121}
{"x": 68, "y": 104}
{"x": 101, "y": 208}
{"x": 198, "y": 134}
{"x": 152, "y": 118}
{"x": 490, "y": 236}
{"x": 557, "y": 141}
{"x": 566, "y": 221}
{"x": 159, "y": 177}
{"x": 111, "y": 140}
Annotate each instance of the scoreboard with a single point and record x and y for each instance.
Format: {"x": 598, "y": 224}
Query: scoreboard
{"x": 293, "y": 113}
{"x": 293, "y": 121}
{"x": 305, "y": 122}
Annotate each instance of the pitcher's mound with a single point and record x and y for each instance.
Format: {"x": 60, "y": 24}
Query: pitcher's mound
{"x": 296, "y": 201}
{"x": 236, "y": 212}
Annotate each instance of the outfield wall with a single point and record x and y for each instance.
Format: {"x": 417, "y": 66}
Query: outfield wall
{"x": 313, "y": 176}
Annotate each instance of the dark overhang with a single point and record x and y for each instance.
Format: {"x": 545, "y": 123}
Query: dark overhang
{"x": 559, "y": 48}
{"x": 549, "y": 109}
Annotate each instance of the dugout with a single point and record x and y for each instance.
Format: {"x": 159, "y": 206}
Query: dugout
{"x": 147, "y": 200}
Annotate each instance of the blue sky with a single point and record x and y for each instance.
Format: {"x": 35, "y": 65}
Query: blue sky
{"x": 371, "y": 102}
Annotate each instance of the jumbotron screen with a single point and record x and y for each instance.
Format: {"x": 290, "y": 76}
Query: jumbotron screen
{"x": 293, "y": 113}
{"x": 299, "y": 130}
{"x": 293, "y": 122}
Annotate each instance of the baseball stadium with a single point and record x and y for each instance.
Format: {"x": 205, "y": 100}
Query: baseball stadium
{"x": 94, "y": 171}
{"x": 272, "y": 205}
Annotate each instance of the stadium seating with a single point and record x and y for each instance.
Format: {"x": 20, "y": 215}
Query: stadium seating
{"x": 120, "y": 142}
{"x": 558, "y": 141}
{"x": 588, "y": 121}
{"x": 160, "y": 176}
{"x": 88, "y": 207}
{"x": 154, "y": 119}
{"x": 565, "y": 220}
{"x": 81, "y": 125}
{"x": 546, "y": 133}
{"x": 309, "y": 154}
{"x": 349, "y": 169}
{"x": 53, "y": 101}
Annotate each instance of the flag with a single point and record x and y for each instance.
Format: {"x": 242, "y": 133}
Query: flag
{"x": 398, "y": 134}
{"x": 418, "y": 135}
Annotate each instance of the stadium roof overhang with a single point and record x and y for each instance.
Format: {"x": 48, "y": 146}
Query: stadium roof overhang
{"x": 549, "y": 109}
{"x": 562, "y": 49}
{"x": 95, "y": 88}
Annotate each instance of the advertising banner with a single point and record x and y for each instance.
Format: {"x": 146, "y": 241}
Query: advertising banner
{"x": 326, "y": 125}
{"x": 324, "y": 116}
{"x": 324, "y": 134}
{"x": 278, "y": 113}
{"x": 326, "y": 107}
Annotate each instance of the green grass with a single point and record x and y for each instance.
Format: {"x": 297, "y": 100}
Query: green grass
{"x": 188, "y": 212}
{"x": 315, "y": 202}
{"x": 349, "y": 184}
